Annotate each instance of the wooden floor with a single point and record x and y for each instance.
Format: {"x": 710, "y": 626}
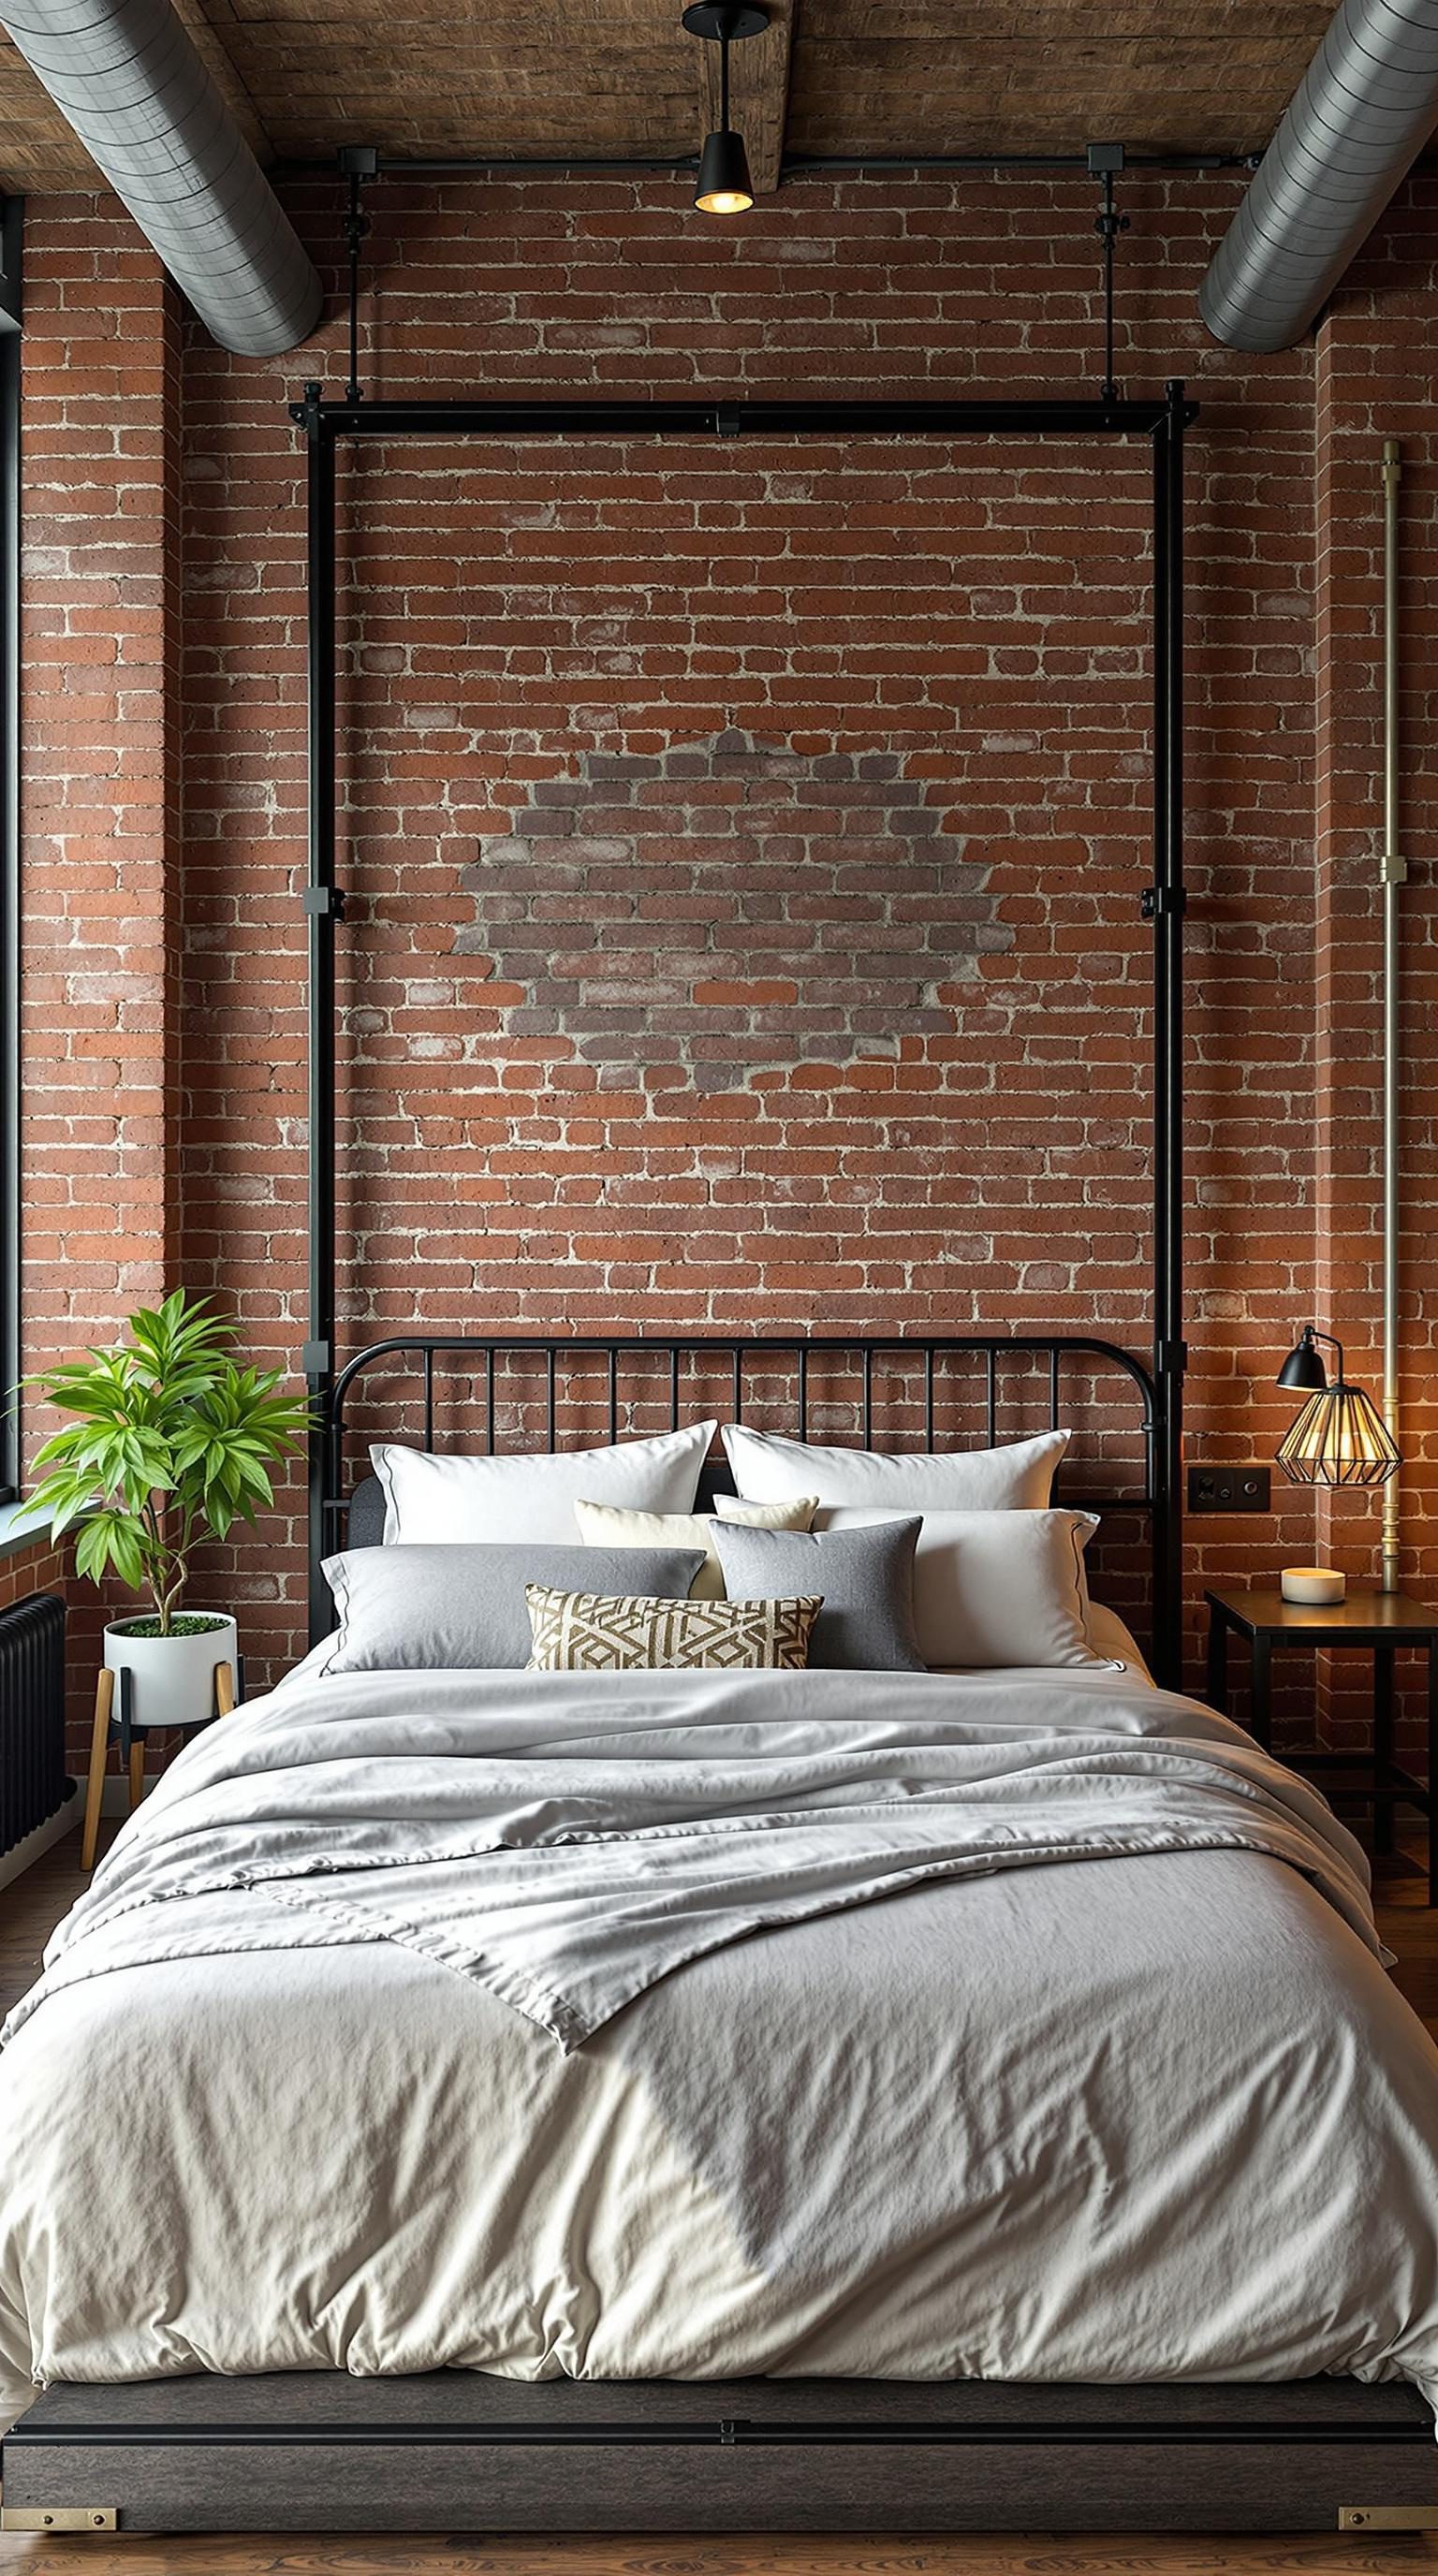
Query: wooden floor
{"x": 1028, "y": 2554}
{"x": 28, "y": 1912}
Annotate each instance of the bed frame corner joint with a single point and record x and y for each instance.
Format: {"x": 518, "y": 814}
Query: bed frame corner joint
{"x": 1388, "y": 2517}
{"x": 59, "y": 2517}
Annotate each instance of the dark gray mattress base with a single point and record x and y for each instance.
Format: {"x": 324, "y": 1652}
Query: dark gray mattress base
{"x": 459, "y": 2450}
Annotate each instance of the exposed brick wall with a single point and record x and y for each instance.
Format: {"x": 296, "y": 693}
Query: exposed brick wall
{"x": 101, "y": 786}
{"x": 965, "y": 627}
{"x": 27, "y": 1570}
{"x": 1376, "y": 357}
{"x": 727, "y": 910}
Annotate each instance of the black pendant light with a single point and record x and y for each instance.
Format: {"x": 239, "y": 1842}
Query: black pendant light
{"x": 1340, "y": 1437}
{"x": 725, "y": 187}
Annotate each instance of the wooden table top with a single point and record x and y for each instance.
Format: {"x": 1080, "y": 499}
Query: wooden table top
{"x": 1365, "y": 1617}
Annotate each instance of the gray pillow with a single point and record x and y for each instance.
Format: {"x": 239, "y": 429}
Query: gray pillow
{"x": 867, "y": 1621}
{"x": 456, "y": 1609}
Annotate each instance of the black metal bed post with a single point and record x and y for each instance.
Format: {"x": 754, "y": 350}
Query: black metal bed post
{"x": 324, "y": 904}
{"x": 1164, "y": 907}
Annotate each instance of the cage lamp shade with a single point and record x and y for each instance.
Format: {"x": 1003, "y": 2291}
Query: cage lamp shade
{"x": 1340, "y": 1437}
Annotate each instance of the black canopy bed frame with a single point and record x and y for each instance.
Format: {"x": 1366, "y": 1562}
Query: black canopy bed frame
{"x": 463, "y": 2450}
{"x": 329, "y": 426}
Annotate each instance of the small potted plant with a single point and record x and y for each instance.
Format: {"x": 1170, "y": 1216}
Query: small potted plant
{"x": 173, "y": 1442}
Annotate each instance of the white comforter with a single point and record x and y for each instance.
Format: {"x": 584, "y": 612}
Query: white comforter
{"x": 648, "y": 2024}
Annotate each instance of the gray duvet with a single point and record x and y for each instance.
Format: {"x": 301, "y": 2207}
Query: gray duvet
{"x": 1023, "y": 2026}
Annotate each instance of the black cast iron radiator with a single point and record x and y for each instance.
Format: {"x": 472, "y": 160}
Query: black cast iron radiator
{"x": 33, "y": 1783}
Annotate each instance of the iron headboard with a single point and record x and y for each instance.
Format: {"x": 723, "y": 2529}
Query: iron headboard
{"x": 935, "y": 1363}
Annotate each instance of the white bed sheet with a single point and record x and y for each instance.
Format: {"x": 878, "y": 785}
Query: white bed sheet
{"x": 1150, "y": 2116}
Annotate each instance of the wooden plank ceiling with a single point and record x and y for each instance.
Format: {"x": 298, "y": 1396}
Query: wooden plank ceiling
{"x": 619, "y": 78}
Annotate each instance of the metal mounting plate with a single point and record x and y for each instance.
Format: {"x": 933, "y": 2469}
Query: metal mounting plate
{"x": 59, "y": 2517}
{"x": 1388, "y": 2517}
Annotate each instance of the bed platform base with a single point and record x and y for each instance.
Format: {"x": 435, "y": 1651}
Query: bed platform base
{"x": 460, "y": 2450}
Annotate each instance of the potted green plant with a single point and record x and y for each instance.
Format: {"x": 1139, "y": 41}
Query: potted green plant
{"x": 173, "y": 1441}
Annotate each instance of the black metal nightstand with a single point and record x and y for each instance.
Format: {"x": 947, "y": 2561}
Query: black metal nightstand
{"x": 1381, "y": 1621}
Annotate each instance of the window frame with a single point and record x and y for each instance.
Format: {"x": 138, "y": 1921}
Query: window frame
{"x": 12, "y": 217}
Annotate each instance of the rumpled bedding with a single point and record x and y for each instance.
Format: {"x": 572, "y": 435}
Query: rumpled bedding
{"x": 635, "y": 2025}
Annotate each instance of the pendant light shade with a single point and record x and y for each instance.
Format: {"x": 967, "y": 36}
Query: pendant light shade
{"x": 1340, "y": 1437}
{"x": 725, "y": 187}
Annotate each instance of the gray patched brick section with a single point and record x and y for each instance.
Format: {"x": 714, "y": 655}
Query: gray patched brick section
{"x": 623, "y": 893}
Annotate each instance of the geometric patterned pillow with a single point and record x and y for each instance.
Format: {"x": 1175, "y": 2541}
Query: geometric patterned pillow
{"x": 593, "y": 1632}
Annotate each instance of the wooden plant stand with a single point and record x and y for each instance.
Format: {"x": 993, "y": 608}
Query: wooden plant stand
{"x": 118, "y": 1726}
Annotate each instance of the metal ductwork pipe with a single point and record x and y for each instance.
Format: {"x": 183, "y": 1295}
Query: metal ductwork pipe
{"x": 1366, "y": 106}
{"x": 129, "y": 80}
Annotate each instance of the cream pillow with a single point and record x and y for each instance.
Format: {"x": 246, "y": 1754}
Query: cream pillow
{"x": 598, "y": 1632}
{"x": 457, "y": 1498}
{"x": 1017, "y": 1478}
{"x": 996, "y": 1588}
{"x": 608, "y": 1525}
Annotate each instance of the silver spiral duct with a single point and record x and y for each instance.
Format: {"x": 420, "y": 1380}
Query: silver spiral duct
{"x": 1363, "y": 111}
{"x": 128, "y": 79}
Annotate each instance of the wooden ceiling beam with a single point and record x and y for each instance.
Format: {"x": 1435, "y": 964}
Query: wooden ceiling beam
{"x": 758, "y": 92}
{"x": 620, "y": 78}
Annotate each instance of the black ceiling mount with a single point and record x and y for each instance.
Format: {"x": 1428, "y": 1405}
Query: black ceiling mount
{"x": 1104, "y": 161}
{"x": 357, "y": 162}
{"x": 719, "y": 25}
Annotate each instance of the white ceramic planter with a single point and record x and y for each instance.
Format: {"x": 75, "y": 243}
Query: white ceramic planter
{"x": 174, "y": 1677}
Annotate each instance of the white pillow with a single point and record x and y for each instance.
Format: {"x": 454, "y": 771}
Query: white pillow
{"x": 455, "y": 1501}
{"x": 1017, "y": 1478}
{"x": 994, "y": 1588}
{"x": 606, "y": 1525}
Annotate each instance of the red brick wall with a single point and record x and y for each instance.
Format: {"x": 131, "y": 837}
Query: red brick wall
{"x": 101, "y": 784}
{"x": 1376, "y": 357}
{"x": 640, "y": 1083}
{"x": 30, "y": 1569}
